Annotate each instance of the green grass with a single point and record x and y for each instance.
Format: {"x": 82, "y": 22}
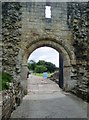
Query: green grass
{"x": 4, "y": 79}
{"x": 41, "y": 74}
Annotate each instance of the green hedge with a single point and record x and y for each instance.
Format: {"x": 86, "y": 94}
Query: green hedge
{"x": 5, "y": 78}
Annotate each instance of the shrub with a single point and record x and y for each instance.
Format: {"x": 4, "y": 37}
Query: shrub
{"x": 5, "y": 79}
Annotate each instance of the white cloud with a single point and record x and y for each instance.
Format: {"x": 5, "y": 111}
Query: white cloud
{"x": 45, "y": 53}
{"x": 44, "y": 57}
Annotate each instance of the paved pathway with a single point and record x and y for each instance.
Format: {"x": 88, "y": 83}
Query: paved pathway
{"x": 46, "y": 100}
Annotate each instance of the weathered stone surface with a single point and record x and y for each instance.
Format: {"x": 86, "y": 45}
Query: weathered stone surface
{"x": 11, "y": 18}
{"x": 55, "y": 77}
{"x": 11, "y": 99}
{"x": 78, "y": 20}
{"x": 11, "y": 24}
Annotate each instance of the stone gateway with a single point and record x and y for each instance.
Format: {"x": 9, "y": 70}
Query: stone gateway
{"x": 25, "y": 27}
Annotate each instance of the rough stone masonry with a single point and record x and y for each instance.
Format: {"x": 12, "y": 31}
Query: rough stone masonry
{"x": 25, "y": 28}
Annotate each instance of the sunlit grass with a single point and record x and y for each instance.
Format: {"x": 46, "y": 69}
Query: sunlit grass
{"x": 41, "y": 74}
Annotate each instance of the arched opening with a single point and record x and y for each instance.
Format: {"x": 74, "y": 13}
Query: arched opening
{"x": 47, "y": 59}
{"x": 66, "y": 58}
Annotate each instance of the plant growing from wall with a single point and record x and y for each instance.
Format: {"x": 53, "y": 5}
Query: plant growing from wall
{"x": 6, "y": 78}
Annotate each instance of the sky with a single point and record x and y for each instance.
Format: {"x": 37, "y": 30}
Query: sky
{"x": 48, "y": 11}
{"x": 45, "y": 53}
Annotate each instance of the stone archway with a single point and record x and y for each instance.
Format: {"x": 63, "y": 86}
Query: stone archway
{"x": 67, "y": 55}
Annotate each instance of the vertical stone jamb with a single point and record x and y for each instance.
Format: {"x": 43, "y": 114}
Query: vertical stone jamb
{"x": 0, "y": 59}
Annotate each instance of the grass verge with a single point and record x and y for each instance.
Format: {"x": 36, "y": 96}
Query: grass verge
{"x": 41, "y": 74}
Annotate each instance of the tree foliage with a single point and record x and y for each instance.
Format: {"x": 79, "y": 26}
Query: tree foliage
{"x": 50, "y": 66}
{"x": 40, "y": 69}
{"x": 32, "y": 65}
{"x": 42, "y": 66}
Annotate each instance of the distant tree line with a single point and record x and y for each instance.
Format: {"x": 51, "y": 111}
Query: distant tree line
{"x": 41, "y": 66}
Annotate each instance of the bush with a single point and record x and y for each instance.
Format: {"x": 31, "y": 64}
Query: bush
{"x": 5, "y": 78}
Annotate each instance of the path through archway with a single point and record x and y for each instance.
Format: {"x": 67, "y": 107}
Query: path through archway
{"x": 46, "y": 57}
{"x": 66, "y": 55}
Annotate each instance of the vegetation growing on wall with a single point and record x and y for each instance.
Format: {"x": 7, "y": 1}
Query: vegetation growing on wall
{"x": 6, "y": 79}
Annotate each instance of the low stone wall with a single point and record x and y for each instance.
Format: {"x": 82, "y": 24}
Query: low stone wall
{"x": 55, "y": 77}
{"x": 11, "y": 99}
{"x": 80, "y": 91}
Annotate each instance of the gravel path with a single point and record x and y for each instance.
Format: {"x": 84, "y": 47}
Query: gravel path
{"x": 46, "y": 100}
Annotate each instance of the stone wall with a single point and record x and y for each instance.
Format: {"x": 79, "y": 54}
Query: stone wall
{"x": 55, "y": 77}
{"x": 11, "y": 32}
{"x": 11, "y": 63}
{"x": 11, "y": 99}
{"x": 78, "y": 21}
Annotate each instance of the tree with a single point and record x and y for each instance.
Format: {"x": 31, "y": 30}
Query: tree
{"x": 40, "y": 69}
{"x": 42, "y": 66}
{"x": 41, "y": 62}
{"x": 32, "y": 65}
{"x": 50, "y": 66}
